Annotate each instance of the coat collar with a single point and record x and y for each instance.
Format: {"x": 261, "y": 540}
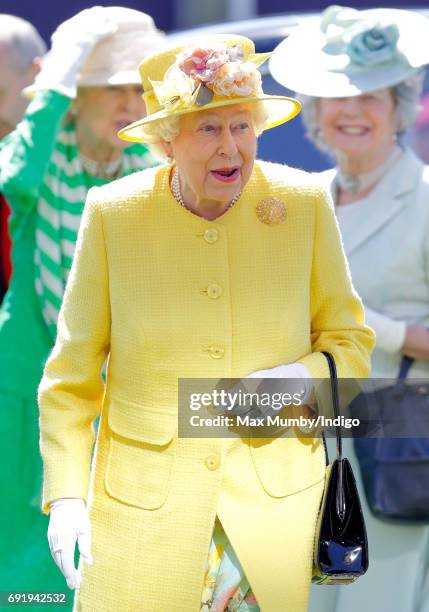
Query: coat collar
{"x": 384, "y": 202}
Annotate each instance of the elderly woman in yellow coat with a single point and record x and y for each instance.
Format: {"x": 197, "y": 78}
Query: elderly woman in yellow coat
{"x": 212, "y": 266}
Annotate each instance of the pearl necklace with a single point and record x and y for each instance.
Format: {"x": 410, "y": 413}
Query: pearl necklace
{"x": 177, "y": 194}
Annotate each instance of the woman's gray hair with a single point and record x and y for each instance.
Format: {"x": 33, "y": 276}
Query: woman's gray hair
{"x": 406, "y": 96}
{"x": 167, "y": 129}
{"x": 157, "y": 131}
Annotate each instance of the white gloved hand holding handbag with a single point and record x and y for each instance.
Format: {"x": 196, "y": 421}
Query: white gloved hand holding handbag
{"x": 296, "y": 371}
{"x": 302, "y": 383}
{"x": 72, "y": 42}
{"x": 69, "y": 523}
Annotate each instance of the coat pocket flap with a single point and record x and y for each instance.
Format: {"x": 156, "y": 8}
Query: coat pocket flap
{"x": 287, "y": 465}
{"x": 141, "y": 423}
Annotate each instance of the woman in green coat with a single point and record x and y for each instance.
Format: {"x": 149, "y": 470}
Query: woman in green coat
{"x": 65, "y": 144}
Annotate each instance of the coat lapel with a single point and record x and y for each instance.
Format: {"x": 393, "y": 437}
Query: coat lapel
{"x": 384, "y": 202}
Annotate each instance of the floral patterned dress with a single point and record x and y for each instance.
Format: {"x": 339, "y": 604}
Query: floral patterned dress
{"x": 226, "y": 587}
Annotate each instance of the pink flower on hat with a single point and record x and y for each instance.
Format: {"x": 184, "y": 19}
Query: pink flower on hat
{"x": 237, "y": 78}
{"x": 202, "y": 64}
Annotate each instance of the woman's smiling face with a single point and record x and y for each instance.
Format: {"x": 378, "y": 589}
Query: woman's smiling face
{"x": 359, "y": 126}
{"x": 214, "y": 153}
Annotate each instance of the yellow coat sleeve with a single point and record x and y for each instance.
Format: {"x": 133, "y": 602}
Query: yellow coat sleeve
{"x": 337, "y": 314}
{"x": 71, "y": 390}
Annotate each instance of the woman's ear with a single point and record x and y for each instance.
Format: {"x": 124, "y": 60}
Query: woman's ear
{"x": 35, "y": 67}
{"x": 396, "y": 118}
{"x": 74, "y": 106}
{"x": 80, "y": 99}
{"x": 168, "y": 149}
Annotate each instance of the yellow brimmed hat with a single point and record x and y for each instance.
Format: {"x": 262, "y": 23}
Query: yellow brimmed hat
{"x": 218, "y": 71}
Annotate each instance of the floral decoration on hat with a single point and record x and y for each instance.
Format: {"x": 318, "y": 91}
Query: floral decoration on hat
{"x": 200, "y": 73}
{"x": 348, "y": 52}
{"x": 366, "y": 42}
{"x": 211, "y": 72}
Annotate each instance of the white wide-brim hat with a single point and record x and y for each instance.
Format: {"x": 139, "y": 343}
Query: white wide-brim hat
{"x": 348, "y": 52}
{"x": 115, "y": 59}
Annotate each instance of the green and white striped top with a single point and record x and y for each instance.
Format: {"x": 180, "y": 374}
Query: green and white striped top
{"x": 61, "y": 200}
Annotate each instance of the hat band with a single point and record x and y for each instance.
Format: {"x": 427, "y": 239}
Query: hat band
{"x": 151, "y": 103}
{"x": 199, "y": 101}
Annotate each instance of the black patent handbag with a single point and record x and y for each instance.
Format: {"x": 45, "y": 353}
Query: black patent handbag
{"x": 341, "y": 544}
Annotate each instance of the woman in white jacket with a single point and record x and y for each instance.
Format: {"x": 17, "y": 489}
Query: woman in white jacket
{"x": 360, "y": 80}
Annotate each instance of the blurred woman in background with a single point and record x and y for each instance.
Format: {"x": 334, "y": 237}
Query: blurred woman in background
{"x": 67, "y": 142}
{"x": 359, "y": 76}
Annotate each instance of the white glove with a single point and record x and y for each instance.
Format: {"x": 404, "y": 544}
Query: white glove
{"x": 301, "y": 377}
{"x": 72, "y": 42}
{"x": 292, "y": 370}
{"x": 69, "y": 521}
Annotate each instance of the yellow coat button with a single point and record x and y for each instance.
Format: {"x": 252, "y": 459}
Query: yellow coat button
{"x": 211, "y": 235}
{"x": 216, "y": 352}
{"x": 212, "y": 462}
{"x": 214, "y": 291}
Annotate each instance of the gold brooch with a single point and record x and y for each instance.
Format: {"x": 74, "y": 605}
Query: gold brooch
{"x": 271, "y": 211}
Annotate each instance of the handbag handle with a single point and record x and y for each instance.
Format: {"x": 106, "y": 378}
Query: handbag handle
{"x": 335, "y": 401}
{"x": 404, "y": 368}
{"x": 340, "y": 499}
